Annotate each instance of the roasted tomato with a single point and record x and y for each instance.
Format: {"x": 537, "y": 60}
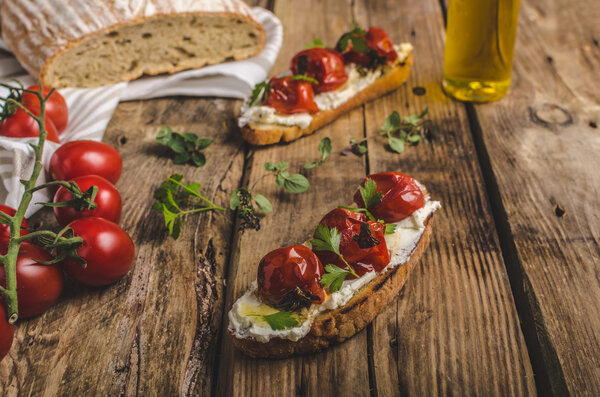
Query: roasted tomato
{"x": 5, "y": 230}
{"x": 290, "y": 96}
{"x": 21, "y": 125}
{"x": 322, "y": 64}
{"x": 6, "y": 331}
{"x": 38, "y": 285}
{"x": 108, "y": 201}
{"x": 401, "y": 196}
{"x": 289, "y": 278}
{"x": 362, "y": 242}
{"x": 56, "y": 106}
{"x": 380, "y": 48}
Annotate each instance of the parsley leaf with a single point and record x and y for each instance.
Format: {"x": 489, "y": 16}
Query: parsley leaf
{"x": 333, "y": 278}
{"x": 186, "y": 147}
{"x": 327, "y": 239}
{"x": 305, "y": 78}
{"x": 390, "y": 228}
{"x": 260, "y": 91}
{"x": 279, "y": 320}
{"x": 324, "y": 150}
{"x": 315, "y": 43}
{"x": 175, "y": 200}
{"x": 369, "y": 194}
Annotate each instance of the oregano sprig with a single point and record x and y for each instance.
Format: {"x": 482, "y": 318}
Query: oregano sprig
{"x": 187, "y": 147}
{"x": 241, "y": 199}
{"x": 324, "y": 151}
{"x": 175, "y": 200}
{"x": 293, "y": 183}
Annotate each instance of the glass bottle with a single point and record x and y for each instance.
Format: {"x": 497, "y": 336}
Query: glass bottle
{"x": 478, "y": 54}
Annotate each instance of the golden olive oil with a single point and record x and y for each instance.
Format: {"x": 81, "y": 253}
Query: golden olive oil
{"x": 478, "y": 55}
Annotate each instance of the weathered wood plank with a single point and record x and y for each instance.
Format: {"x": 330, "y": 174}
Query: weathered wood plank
{"x": 153, "y": 332}
{"x": 343, "y": 369}
{"x": 455, "y": 329}
{"x": 543, "y": 144}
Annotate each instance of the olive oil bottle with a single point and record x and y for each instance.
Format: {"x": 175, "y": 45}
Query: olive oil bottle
{"x": 478, "y": 54}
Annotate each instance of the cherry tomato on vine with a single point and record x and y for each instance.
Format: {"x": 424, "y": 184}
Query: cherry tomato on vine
{"x": 289, "y": 278}
{"x": 80, "y": 158}
{"x": 38, "y": 285}
{"x": 5, "y": 230}
{"x": 401, "y": 196}
{"x": 107, "y": 250}
{"x": 289, "y": 96}
{"x": 368, "y": 253}
{"x": 322, "y": 64}
{"x": 108, "y": 201}
{"x": 21, "y": 125}
{"x": 56, "y": 106}
{"x": 6, "y": 331}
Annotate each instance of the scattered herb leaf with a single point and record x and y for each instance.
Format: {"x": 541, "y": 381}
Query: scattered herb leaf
{"x": 333, "y": 278}
{"x": 324, "y": 150}
{"x": 187, "y": 147}
{"x": 241, "y": 199}
{"x": 174, "y": 200}
{"x": 293, "y": 183}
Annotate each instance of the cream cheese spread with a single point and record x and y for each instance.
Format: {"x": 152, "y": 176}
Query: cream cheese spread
{"x": 243, "y": 319}
{"x": 266, "y": 115}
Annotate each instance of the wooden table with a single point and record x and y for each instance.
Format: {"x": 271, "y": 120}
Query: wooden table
{"x": 504, "y": 302}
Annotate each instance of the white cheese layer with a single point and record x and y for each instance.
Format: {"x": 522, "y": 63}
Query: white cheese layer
{"x": 266, "y": 115}
{"x": 243, "y": 319}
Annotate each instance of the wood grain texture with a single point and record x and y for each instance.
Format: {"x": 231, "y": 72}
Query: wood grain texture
{"x": 455, "y": 329}
{"x": 543, "y": 142}
{"x": 154, "y": 331}
{"x": 342, "y": 369}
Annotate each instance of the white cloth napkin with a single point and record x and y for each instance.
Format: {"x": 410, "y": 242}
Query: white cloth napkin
{"x": 90, "y": 109}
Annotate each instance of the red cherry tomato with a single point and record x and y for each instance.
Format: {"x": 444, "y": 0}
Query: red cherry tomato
{"x": 5, "y": 230}
{"x": 80, "y": 158}
{"x": 289, "y": 96}
{"x": 401, "y": 196}
{"x": 379, "y": 45}
{"x": 322, "y": 64}
{"x": 107, "y": 250}
{"x": 6, "y": 331}
{"x": 289, "y": 278}
{"x": 368, "y": 254}
{"x": 21, "y": 125}
{"x": 56, "y": 106}
{"x": 38, "y": 285}
{"x": 108, "y": 201}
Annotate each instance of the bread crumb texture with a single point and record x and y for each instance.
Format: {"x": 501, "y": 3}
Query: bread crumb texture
{"x": 78, "y": 43}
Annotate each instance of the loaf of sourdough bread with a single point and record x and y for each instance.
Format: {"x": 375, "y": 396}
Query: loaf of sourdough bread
{"x": 83, "y": 43}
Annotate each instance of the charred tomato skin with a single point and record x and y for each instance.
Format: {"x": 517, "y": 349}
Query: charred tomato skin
{"x": 289, "y": 278}
{"x": 322, "y": 64}
{"x": 401, "y": 196}
{"x": 379, "y": 45}
{"x": 289, "y": 96}
{"x": 362, "y": 260}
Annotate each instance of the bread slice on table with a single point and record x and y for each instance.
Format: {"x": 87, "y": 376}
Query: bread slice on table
{"x": 344, "y": 322}
{"x": 83, "y": 43}
{"x": 266, "y": 134}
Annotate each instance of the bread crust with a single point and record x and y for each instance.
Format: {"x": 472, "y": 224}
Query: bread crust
{"x": 344, "y": 322}
{"x": 266, "y": 135}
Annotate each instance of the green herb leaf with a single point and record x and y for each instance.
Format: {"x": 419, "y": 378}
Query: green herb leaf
{"x": 369, "y": 194}
{"x": 296, "y": 183}
{"x": 186, "y": 147}
{"x": 305, "y": 78}
{"x": 175, "y": 200}
{"x": 260, "y": 91}
{"x": 390, "y": 228}
{"x": 327, "y": 239}
{"x": 392, "y": 122}
{"x": 333, "y": 278}
{"x": 400, "y": 130}
{"x": 281, "y": 320}
{"x": 316, "y": 43}
{"x": 324, "y": 150}
{"x": 264, "y": 205}
{"x": 396, "y": 144}
{"x": 357, "y": 37}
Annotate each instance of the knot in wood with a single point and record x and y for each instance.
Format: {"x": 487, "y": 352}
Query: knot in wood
{"x": 550, "y": 114}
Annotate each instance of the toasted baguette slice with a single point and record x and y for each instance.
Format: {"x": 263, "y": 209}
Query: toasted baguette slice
{"x": 344, "y": 322}
{"x": 269, "y": 134}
